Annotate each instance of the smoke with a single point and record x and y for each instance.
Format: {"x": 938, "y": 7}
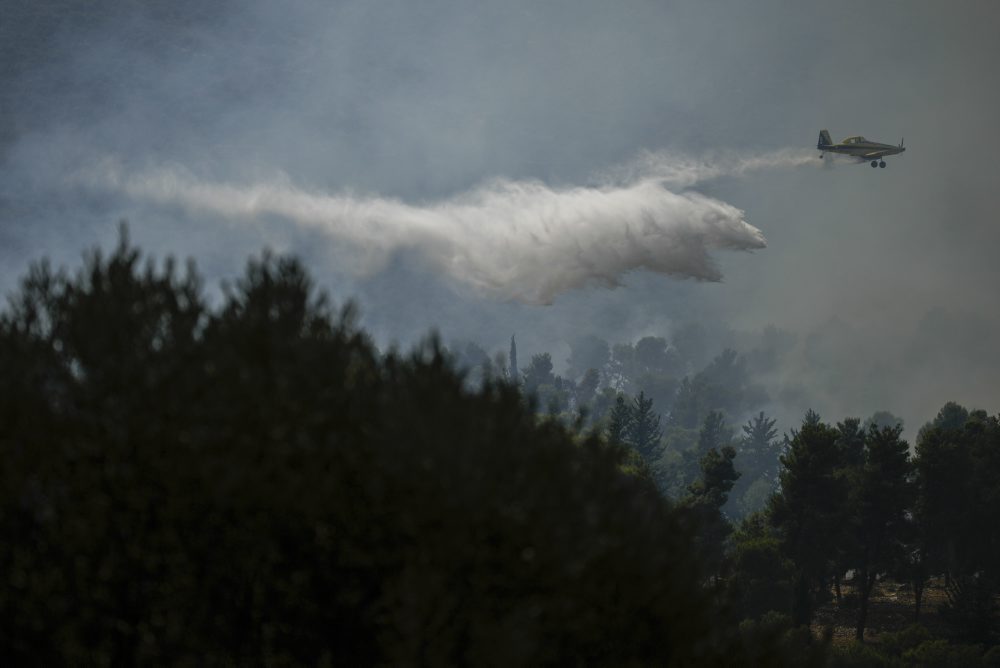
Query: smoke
{"x": 683, "y": 171}
{"x": 510, "y": 240}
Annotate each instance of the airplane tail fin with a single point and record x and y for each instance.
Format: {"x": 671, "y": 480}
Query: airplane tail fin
{"x": 824, "y": 139}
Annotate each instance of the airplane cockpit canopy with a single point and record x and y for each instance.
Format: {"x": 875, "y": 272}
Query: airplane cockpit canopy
{"x": 855, "y": 140}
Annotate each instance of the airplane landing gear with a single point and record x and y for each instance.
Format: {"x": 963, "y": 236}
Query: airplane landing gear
{"x": 882, "y": 164}
{"x": 874, "y": 163}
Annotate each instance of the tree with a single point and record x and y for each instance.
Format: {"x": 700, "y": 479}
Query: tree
{"x": 256, "y": 483}
{"x": 652, "y": 356}
{"x": 807, "y": 511}
{"x": 538, "y": 373}
{"x": 621, "y": 367}
{"x": 757, "y": 460}
{"x": 762, "y": 576}
{"x": 689, "y": 405}
{"x": 882, "y": 419}
{"x": 660, "y": 387}
{"x": 707, "y": 495}
{"x": 957, "y": 515}
{"x": 941, "y": 471}
{"x": 717, "y": 476}
{"x": 758, "y": 442}
{"x": 851, "y": 443}
{"x": 714, "y": 434}
{"x": 586, "y": 353}
{"x": 851, "y": 457}
{"x": 723, "y": 385}
{"x": 644, "y": 431}
{"x": 880, "y": 496}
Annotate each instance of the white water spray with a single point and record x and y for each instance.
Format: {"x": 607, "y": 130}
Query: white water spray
{"x": 520, "y": 240}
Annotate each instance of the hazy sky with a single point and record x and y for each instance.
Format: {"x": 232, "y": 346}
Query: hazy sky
{"x": 412, "y": 122}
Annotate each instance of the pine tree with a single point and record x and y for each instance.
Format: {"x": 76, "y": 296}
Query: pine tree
{"x": 713, "y": 434}
{"x": 807, "y": 512}
{"x": 644, "y": 431}
{"x": 757, "y": 461}
{"x": 619, "y": 421}
{"x": 880, "y": 496}
{"x": 707, "y": 496}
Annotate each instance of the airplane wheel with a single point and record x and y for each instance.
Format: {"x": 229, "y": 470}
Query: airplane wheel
{"x": 874, "y": 163}
{"x": 881, "y": 164}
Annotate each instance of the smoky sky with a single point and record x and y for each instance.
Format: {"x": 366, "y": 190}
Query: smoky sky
{"x": 887, "y": 279}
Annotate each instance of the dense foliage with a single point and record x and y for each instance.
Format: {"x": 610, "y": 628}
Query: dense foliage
{"x": 254, "y": 482}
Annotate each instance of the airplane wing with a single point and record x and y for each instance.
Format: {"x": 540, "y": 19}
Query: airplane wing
{"x": 874, "y": 154}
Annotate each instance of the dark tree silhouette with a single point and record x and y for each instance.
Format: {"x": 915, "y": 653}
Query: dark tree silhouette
{"x": 619, "y": 421}
{"x": 644, "y": 431}
{"x": 254, "y": 483}
{"x": 707, "y": 495}
{"x": 807, "y": 512}
{"x": 880, "y": 495}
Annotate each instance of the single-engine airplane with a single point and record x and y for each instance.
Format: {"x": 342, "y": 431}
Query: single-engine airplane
{"x": 858, "y": 147}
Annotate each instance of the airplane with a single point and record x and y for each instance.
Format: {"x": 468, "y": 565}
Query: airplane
{"x": 859, "y": 147}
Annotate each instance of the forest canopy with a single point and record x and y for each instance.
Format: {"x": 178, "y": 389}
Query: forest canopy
{"x": 249, "y": 479}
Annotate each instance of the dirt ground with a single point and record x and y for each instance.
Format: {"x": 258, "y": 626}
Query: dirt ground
{"x": 890, "y": 610}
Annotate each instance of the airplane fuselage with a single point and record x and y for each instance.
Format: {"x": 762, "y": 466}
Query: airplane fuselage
{"x": 858, "y": 147}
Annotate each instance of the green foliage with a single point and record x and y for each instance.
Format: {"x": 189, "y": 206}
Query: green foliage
{"x": 755, "y": 498}
{"x": 653, "y": 356}
{"x": 957, "y": 515}
{"x": 972, "y": 608}
{"x": 643, "y": 432}
{"x": 807, "y": 513}
{"x": 723, "y": 385}
{"x": 860, "y": 655}
{"x": 706, "y": 497}
{"x": 661, "y": 388}
{"x": 880, "y": 494}
{"x": 851, "y": 442}
{"x": 951, "y": 417}
{"x": 913, "y": 646}
{"x": 758, "y": 453}
{"x": 538, "y": 373}
{"x": 761, "y": 576}
{"x": 619, "y": 421}
{"x": 940, "y": 653}
{"x": 896, "y": 644}
{"x": 675, "y": 472}
{"x": 717, "y": 476}
{"x": 714, "y": 434}
{"x": 773, "y": 641}
{"x": 255, "y": 484}
{"x": 882, "y": 419}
